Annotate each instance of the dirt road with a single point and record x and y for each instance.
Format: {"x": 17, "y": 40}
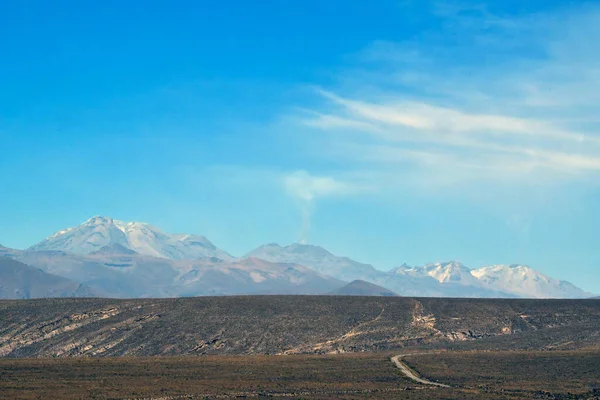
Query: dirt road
{"x": 397, "y": 360}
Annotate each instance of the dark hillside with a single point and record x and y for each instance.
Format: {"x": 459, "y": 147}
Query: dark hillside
{"x": 281, "y": 324}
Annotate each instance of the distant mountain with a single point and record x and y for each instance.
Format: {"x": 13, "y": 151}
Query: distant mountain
{"x": 20, "y": 281}
{"x": 119, "y": 272}
{"x": 99, "y": 232}
{"x": 448, "y": 272}
{"x": 406, "y": 281}
{"x": 362, "y": 288}
{"x": 253, "y": 276}
{"x": 446, "y": 279}
{"x": 316, "y": 258}
{"x": 409, "y": 281}
{"x": 133, "y": 259}
{"x": 524, "y": 281}
{"x": 115, "y": 275}
{"x": 7, "y": 252}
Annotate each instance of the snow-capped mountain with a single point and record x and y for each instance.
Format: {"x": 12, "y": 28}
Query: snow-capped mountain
{"x": 318, "y": 259}
{"x": 526, "y": 282}
{"x": 404, "y": 280}
{"x": 502, "y": 280}
{"x": 142, "y": 238}
{"x": 135, "y": 259}
{"x": 447, "y": 272}
{"x": 446, "y": 279}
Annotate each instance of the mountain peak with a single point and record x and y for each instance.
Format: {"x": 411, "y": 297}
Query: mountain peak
{"x": 448, "y": 265}
{"x": 443, "y": 272}
{"x": 316, "y": 258}
{"x": 98, "y": 220}
{"x": 103, "y": 234}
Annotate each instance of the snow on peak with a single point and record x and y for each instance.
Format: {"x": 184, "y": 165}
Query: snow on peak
{"x": 99, "y": 232}
{"x": 443, "y": 272}
{"x": 526, "y": 282}
{"x": 451, "y": 272}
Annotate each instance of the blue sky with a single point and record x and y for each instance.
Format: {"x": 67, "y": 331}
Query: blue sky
{"x": 389, "y": 131}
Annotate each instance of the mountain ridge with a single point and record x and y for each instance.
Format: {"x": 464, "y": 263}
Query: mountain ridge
{"x": 143, "y": 238}
{"x": 108, "y": 254}
{"x": 315, "y": 257}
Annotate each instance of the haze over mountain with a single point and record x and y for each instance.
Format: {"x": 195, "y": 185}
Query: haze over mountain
{"x": 118, "y": 259}
{"x": 137, "y": 275}
{"x": 20, "y": 281}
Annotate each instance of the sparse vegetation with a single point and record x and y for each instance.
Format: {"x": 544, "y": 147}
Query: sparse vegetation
{"x": 481, "y": 375}
{"x": 287, "y": 325}
{"x": 282, "y": 346}
{"x": 524, "y": 374}
{"x": 337, "y": 376}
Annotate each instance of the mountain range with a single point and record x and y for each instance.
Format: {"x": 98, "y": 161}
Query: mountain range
{"x": 111, "y": 258}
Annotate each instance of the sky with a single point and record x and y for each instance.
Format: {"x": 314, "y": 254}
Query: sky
{"x": 390, "y": 132}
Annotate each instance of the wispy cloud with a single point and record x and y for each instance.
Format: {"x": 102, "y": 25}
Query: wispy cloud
{"x": 524, "y": 114}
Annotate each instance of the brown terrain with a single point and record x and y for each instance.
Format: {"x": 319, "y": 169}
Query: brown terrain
{"x": 299, "y": 347}
{"x": 286, "y": 325}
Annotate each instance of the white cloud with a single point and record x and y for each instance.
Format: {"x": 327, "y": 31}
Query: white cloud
{"x": 524, "y": 111}
{"x": 306, "y": 187}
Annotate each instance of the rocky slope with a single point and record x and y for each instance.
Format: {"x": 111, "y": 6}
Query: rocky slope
{"x": 283, "y": 324}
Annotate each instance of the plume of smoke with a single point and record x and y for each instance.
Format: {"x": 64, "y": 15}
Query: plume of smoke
{"x": 305, "y": 189}
{"x": 305, "y": 228}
